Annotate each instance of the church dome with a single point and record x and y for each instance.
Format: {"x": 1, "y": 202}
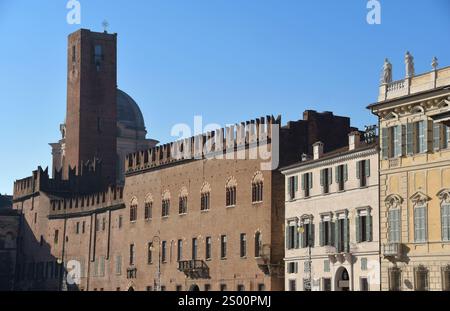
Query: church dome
{"x": 129, "y": 114}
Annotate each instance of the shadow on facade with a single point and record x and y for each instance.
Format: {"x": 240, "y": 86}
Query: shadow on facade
{"x": 36, "y": 268}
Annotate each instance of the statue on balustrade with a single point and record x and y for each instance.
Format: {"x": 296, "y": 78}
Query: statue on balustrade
{"x": 386, "y": 78}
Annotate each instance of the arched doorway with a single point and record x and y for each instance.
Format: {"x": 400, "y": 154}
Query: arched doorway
{"x": 131, "y": 289}
{"x": 194, "y": 288}
{"x": 342, "y": 280}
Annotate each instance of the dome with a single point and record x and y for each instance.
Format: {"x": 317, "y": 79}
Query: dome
{"x": 128, "y": 113}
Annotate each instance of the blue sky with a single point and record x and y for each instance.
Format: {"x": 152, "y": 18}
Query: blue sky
{"x": 226, "y": 60}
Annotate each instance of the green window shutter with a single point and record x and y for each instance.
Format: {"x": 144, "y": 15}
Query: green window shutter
{"x": 369, "y": 236}
{"x": 367, "y": 163}
{"x": 303, "y": 181}
{"x": 299, "y": 239}
{"x": 288, "y": 244}
{"x": 336, "y": 174}
{"x": 410, "y": 139}
{"x": 336, "y": 234}
{"x": 346, "y": 236}
{"x": 429, "y": 135}
{"x": 443, "y": 223}
{"x": 330, "y": 175}
{"x": 403, "y": 140}
{"x": 296, "y": 183}
{"x": 384, "y": 143}
{"x": 322, "y": 178}
{"x": 321, "y": 233}
{"x": 437, "y": 136}
{"x": 310, "y": 180}
{"x": 311, "y": 234}
{"x": 346, "y": 172}
{"x": 332, "y": 233}
{"x": 399, "y": 139}
{"x": 358, "y": 231}
{"x": 296, "y": 237}
{"x": 358, "y": 171}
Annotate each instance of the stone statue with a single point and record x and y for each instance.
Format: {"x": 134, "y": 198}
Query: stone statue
{"x": 434, "y": 63}
{"x": 409, "y": 62}
{"x": 387, "y": 72}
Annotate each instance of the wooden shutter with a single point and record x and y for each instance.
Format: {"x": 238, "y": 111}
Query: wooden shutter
{"x": 296, "y": 237}
{"x": 369, "y": 226}
{"x": 437, "y": 136}
{"x": 367, "y": 168}
{"x": 311, "y": 233}
{"x": 303, "y": 181}
{"x": 288, "y": 245}
{"x": 330, "y": 175}
{"x": 336, "y": 174}
{"x": 399, "y": 141}
{"x": 336, "y": 235}
{"x": 358, "y": 231}
{"x": 345, "y": 172}
{"x": 346, "y": 236}
{"x": 358, "y": 169}
{"x": 429, "y": 135}
{"x": 322, "y": 177}
{"x": 410, "y": 139}
{"x": 295, "y": 184}
{"x": 321, "y": 233}
{"x": 310, "y": 180}
{"x": 331, "y": 232}
{"x": 384, "y": 144}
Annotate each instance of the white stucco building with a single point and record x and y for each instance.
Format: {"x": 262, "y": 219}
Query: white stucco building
{"x": 332, "y": 212}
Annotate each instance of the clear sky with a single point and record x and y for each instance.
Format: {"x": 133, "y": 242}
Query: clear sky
{"x": 226, "y": 60}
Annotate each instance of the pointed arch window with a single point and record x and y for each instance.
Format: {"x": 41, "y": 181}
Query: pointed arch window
{"x": 205, "y": 194}
{"x": 133, "y": 210}
{"x": 230, "y": 192}
{"x": 257, "y": 188}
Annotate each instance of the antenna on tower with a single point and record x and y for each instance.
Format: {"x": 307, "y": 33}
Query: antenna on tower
{"x": 105, "y": 25}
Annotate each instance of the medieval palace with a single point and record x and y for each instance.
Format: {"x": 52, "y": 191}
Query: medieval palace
{"x": 312, "y": 204}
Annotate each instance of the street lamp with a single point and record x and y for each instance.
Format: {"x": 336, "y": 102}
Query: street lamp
{"x": 158, "y": 274}
{"x": 301, "y": 230}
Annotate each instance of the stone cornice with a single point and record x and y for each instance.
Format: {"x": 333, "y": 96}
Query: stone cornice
{"x": 331, "y": 161}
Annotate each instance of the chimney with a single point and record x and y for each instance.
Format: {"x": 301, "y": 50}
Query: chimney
{"x": 354, "y": 139}
{"x": 318, "y": 150}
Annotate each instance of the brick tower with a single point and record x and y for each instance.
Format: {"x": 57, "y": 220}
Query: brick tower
{"x": 91, "y": 102}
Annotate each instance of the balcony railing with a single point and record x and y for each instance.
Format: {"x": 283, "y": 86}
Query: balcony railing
{"x": 131, "y": 273}
{"x": 194, "y": 269}
{"x": 392, "y": 250}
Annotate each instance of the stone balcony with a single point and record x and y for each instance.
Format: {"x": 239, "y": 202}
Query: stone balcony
{"x": 416, "y": 84}
{"x": 392, "y": 250}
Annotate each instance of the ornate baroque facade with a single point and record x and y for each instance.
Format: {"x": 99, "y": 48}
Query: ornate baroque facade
{"x": 414, "y": 116}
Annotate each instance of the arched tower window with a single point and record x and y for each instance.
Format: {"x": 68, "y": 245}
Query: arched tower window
{"x": 230, "y": 192}
{"x": 205, "y": 194}
{"x": 257, "y": 187}
{"x": 133, "y": 209}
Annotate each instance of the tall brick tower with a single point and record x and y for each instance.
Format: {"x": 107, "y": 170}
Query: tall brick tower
{"x": 91, "y": 101}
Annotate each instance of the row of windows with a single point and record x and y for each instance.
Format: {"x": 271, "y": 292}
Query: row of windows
{"x": 326, "y": 284}
{"x": 414, "y": 138}
{"x": 326, "y": 179}
{"x": 194, "y": 249}
{"x": 206, "y": 287}
{"x": 420, "y": 223}
{"x": 292, "y": 267}
{"x": 205, "y": 201}
{"x": 301, "y": 234}
{"x": 421, "y": 278}
{"x": 39, "y": 271}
